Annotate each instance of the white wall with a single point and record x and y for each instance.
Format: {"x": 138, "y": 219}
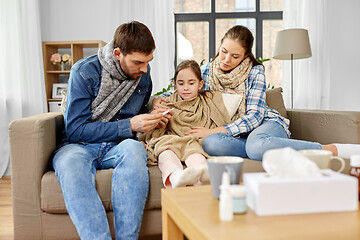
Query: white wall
{"x": 344, "y": 40}
{"x": 72, "y": 20}
{"x": 76, "y": 20}
{"x": 97, "y": 20}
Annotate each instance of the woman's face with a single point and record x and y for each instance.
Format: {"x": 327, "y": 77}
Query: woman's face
{"x": 187, "y": 84}
{"x": 231, "y": 54}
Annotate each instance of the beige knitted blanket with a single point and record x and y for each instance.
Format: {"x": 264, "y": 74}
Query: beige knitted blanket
{"x": 206, "y": 110}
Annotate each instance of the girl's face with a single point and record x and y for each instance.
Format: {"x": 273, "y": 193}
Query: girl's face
{"x": 231, "y": 54}
{"x": 187, "y": 84}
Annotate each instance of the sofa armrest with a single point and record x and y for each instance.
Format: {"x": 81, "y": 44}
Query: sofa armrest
{"x": 325, "y": 126}
{"x": 32, "y": 143}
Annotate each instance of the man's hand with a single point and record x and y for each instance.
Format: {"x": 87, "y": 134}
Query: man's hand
{"x": 165, "y": 117}
{"x": 145, "y": 122}
{"x": 202, "y": 132}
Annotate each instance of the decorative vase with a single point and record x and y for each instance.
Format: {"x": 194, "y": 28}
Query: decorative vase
{"x": 62, "y": 66}
{"x": 67, "y": 66}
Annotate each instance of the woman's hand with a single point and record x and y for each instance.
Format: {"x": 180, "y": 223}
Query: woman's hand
{"x": 202, "y": 132}
{"x": 157, "y": 104}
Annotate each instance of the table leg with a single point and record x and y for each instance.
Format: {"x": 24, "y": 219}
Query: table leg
{"x": 170, "y": 231}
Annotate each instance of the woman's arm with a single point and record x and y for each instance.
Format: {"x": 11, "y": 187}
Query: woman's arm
{"x": 255, "y": 104}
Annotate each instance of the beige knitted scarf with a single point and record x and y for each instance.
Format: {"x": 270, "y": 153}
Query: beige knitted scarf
{"x": 232, "y": 82}
{"x": 206, "y": 110}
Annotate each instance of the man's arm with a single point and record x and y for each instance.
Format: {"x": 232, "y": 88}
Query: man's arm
{"x": 78, "y": 113}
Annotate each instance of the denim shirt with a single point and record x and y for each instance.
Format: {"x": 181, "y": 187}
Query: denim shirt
{"x": 83, "y": 87}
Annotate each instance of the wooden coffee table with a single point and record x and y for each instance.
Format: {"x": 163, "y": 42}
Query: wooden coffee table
{"x": 194, "y": 212}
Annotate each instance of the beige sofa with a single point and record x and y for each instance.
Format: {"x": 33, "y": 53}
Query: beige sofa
{"x": 39, "y": 210}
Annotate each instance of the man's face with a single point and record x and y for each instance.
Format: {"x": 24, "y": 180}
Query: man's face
{"x": 133, "y": 64}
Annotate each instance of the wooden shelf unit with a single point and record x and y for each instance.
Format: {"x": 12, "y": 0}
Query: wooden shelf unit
{"x": 76, "y": 49}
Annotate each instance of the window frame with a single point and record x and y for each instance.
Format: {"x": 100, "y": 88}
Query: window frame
{"x": 211, "y": 17}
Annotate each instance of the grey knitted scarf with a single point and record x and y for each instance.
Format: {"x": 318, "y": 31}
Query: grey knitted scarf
{"x": 115, "y": 87}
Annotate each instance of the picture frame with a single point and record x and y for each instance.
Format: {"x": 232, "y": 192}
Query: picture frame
{"x": 57, "y": 88}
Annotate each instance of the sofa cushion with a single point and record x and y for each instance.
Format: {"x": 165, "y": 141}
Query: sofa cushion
{"x": 275, "y": 101}
{"x": 52, "y": 200}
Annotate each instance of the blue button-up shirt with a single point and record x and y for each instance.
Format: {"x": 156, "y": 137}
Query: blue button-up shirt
{"x": 83, "y": 87}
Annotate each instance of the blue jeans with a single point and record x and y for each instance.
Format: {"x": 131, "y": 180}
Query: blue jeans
{"x": 75, "y": 166}
{"x": 269, "y": 135}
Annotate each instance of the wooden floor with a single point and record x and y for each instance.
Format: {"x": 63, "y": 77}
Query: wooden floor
{"x": 6, "y": 219}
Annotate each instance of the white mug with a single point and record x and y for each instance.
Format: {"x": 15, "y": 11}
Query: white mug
{"x": 322, "y": 158}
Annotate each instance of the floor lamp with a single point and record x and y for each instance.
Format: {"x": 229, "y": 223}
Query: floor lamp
{"x": 292, "y": 44}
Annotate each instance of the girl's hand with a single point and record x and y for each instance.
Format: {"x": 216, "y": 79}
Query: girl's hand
{"x": 202, "y": 132}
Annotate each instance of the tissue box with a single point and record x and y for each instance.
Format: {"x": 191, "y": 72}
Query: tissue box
{"x": 334, "y": 192}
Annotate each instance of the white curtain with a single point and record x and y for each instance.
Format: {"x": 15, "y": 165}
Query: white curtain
{"x": 158, "y": 16}
{"x": 311, "y": 75}
{"x": 22, "y": 91}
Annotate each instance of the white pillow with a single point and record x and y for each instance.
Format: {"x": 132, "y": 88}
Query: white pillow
{"x": 232, "y": 102}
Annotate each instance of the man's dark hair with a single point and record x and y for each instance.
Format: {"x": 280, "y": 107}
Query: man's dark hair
{"x": 134, "y": 37}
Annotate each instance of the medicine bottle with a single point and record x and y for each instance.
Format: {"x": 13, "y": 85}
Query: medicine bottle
{"x": 355, "y": 168}
{"x": 225, "y": 203}
{"x": 238, "y": 198}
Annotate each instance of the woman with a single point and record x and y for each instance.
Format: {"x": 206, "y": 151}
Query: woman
{"x": 257, "y": 128}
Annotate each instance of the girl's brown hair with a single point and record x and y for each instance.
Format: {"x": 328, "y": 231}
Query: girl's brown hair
{"x": 188, "y": 64}
{"x": 243, "y": 36}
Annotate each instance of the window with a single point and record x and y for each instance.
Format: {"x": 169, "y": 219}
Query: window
{"x": 200, "y": 25}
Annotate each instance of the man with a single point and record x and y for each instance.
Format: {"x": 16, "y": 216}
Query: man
{"x": 106, "y": 99}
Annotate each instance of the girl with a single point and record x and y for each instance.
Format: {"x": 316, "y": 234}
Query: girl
{"x": 172, "y": 145}
{"x": 257, "y": 128}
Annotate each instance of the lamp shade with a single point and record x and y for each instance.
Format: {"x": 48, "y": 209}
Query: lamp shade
{"x": 293, "y": 42}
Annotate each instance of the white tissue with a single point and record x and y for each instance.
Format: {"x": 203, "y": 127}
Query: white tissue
{"x": 288, "y": 163}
